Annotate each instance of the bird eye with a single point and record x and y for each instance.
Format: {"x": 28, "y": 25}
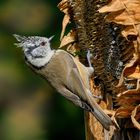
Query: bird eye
{"x": 43, "y": 43}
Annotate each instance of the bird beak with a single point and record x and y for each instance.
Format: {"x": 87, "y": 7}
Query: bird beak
{"x": 51, "y": 38}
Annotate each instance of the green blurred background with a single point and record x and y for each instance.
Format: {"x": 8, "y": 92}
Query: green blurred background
{"x": 29, "y": 108}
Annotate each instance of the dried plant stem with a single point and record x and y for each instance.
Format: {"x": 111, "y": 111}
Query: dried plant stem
{"x": 94, "y": 130}
{"x": 90, "y": 130}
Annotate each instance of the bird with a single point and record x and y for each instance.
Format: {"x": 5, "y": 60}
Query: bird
{"x": 64, "y": 72}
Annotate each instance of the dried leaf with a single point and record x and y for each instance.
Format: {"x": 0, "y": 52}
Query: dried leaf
{"x": 134, "y": 117}
{"x": 137, "y": 47}
{"x": 68, "y": 39}
{"x": 128, "y": 100}
{"x": 133, "y": 72}
{"x": 72, "y": 48}
{"x": 64, "y": 7}
{"x": 116, "y": 5}
{"x": 124, "y": 112}
{"x": 129, "y": 70}
{"x": 109, "y": 112}
{"x": 113, "y": 6}
{"x": 132, "y": 92}
{"x": 124, "y": 12}
{"x": 129, "y": 30}
{"x": 122, "y": 17}
{"x": 65, "y": 22}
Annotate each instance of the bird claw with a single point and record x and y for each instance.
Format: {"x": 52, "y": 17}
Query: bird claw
{"x": 89, "y": 55}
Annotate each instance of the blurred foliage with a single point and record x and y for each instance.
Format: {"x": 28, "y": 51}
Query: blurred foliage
{"x": 29, "y": 108}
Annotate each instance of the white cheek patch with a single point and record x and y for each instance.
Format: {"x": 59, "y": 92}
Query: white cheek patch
{"x": 38, "y": 52}
{"x": 39, "y": 62}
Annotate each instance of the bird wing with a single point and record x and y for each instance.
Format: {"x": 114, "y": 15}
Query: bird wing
{"x": 89, "y": 102}
{"x": 80, "y": 81}
{"x": 78, "y": 77}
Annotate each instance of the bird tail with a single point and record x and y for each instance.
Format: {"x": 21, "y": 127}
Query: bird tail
{"x": 97, "y": 111}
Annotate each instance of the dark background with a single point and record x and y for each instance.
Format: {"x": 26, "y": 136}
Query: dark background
{"x": 29, "y": 108}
